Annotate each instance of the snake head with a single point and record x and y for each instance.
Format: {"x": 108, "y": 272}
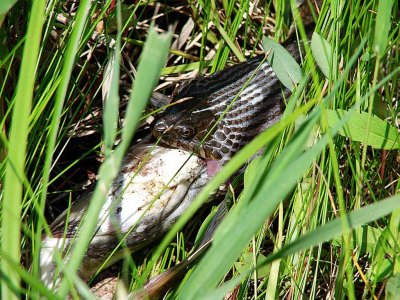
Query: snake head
{"x": 183, "y": 130}
{"x": 185, "y": 125}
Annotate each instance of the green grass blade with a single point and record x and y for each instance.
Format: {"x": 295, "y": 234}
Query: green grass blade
{"x": 359, "y": 167}
{"x": 34, "y": 282}
{"x": 15, "y": 169}
{"x": 278, "y": 183}
{"x": 334, "y": 228}
{"x": 153, "y": 59}
{"x": 325, "y": 233}
{"x": 382, "y": 26}
{"x": 111, "y": 106}
{"x": 185, "y": 67}
{"x": 5, "y": 6}
{"x": 229, "y": 41}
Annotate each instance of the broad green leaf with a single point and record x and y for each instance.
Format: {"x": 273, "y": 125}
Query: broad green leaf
{"x": 284, "y": 65}
{"x": 364, "y": 238}
{"x": 381, "y": 134}
{"x": 322, "y": 52}
{"x": 384, "y": 270}
{"x": 382, "y": 26}
{"x": 247, "y": 264}
{"x": 392, "y": 290}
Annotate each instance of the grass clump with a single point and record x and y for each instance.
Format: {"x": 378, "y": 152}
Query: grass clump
{"x": 318, "y": 216}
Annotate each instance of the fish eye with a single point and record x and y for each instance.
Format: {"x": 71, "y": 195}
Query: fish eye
{"x": 186, "y": 132}
{"x": 160, "y": 127}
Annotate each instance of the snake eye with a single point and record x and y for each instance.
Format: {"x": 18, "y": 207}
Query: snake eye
{"x": 186, "y": 132}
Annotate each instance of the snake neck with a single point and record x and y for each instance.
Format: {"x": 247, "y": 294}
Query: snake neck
{"x": 247, "y": 106}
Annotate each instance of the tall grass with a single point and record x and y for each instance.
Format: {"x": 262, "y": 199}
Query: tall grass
{"x": 336, "y": 183}
{"x": 15, "y": 168}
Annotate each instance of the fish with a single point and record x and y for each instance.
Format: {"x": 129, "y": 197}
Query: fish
{"x": 154, "y": 187}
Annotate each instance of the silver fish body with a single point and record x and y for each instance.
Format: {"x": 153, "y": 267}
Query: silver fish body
{"x": 154, "y": 187}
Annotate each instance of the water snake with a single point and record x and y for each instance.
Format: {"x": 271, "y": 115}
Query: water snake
{"x": 218, "y": 114}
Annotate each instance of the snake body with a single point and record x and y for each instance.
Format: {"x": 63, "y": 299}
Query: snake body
{"x": 223, "y": 112}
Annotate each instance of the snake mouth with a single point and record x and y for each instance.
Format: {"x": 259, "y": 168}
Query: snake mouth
{"x": 213, "y": 166}
{"x": 161, "y": 131}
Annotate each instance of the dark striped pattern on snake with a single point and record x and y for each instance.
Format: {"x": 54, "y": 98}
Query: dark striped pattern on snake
{"x": 242, "y": 101}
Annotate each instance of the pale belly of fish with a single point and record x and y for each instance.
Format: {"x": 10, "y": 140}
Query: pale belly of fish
{"x": 154, "y": 187}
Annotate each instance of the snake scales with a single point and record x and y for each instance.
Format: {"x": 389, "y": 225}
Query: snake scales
{"x": 221, "y": 113}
